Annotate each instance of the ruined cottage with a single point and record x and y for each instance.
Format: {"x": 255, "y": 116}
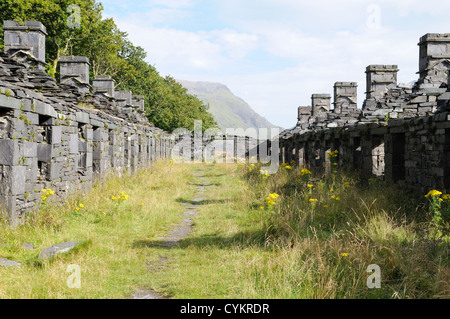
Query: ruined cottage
{"x": 401, "y": 134}
{"x": 63, "y": 135}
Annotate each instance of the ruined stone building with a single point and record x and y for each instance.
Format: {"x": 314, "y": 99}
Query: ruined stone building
{"x": 63, "y": 135}
{"x": 401, "y": 134}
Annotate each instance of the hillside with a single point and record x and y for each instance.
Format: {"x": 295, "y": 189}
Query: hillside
{"x": 228, "y": 110}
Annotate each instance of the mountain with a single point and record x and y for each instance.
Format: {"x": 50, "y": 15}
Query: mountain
{"x": 228, "y": 110}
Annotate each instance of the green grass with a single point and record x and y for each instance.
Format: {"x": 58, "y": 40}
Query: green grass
{"x": 111, "y": 265}
{"x": 293, "y": 249}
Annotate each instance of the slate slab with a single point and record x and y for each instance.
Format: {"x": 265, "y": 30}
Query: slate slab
{"x": 52, "y": 251}
{"x": 9, "y": 152}
{"x": 8, "y": 263}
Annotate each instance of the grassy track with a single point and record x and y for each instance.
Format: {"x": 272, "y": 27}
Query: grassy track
{"x": 311, "y": 241}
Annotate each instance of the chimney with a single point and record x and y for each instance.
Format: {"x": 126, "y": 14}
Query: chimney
{"x": 379, "y": 78}
{"x": 304, "y": 115}
{"x": 345, "y": 97}
{"x": 24, "y": 40}
{"x": 103, "y": 84}
{"x": 138, "y": 102}
{"x": 123, "y": 98}
{"x": 320, "y": 105}
{"x": 434, "y": 61}
{"x": 74, "y": 70}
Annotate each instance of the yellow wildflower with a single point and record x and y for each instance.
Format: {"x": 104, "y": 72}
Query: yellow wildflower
{"x": 288, "y": 167}
{"x": 270, "y": 202}
{"x": 81, "y": 205}
{"x": 48, "y": 192}
{"x": 446, "y": 196}
{"x": 261, "y": 207}
{"x": 304, "y": 172}
{"x": 433, "y": 193}
{"x": 332, "y": 154}
{"x": 274, "y": 196}
{"x": 344, "y": 254}
{"x": 313, "y": 200}
{"x": 310, "y": 185}
{"x": 346, "y": 184}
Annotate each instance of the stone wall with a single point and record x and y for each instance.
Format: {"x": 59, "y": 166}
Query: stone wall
{"x": 60, "y": 135}
{"x": 401, "y": 134}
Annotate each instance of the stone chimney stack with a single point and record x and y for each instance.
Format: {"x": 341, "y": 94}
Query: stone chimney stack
{"x": 74, "y": 70}
{"x": 138, "y": 102}
{"x": 321, "y": 104}
{"x": 304, "y": 116}
{"x": 434, "y": 61}
{"x": 379, "y": 78}
{"x": 304, "y": 113}
{"x": 123, "y": 98}
{"x": 25, "y": 40}
{"x": 345, "y": 97}
{"x": 104, "y": 84}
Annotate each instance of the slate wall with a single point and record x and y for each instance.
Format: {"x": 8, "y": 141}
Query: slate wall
{"x": 401, "y": 134}
{"x": 64, "y": 136}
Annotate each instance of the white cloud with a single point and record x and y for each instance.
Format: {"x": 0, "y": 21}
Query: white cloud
{"x": 236, "y": 44}
{"x": 180, "y": 50}
{"x": 173, "y": 3}
{"x": 176, "y": 49}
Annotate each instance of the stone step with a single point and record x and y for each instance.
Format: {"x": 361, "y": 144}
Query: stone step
{"x": 52, "y": 251}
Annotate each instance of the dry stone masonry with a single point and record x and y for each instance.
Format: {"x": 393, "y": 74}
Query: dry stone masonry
{"x": 59, "y": 135}
{"x": 401, "y": 134}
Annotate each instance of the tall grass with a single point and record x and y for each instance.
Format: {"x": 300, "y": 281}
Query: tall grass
{"x": 328, "y": 233}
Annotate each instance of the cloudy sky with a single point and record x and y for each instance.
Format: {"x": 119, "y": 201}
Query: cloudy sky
{"x": 276, "y": 53}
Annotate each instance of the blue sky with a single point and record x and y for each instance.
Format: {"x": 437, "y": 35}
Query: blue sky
{"x": 276, "y": 53}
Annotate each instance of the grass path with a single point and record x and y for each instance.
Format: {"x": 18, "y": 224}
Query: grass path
{"x": 177, "y": 234}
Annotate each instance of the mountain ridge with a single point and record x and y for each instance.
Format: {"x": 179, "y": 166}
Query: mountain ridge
{"x": 229, "y": 110}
